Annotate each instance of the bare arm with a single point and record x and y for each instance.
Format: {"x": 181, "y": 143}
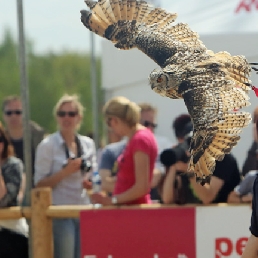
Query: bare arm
{"x": 22, "y": 188}
{"x": 167, "y": 192}
{"x": 251, "y": 248}
{"x": 107, "y": 181}
{"x": 141, "y": 186}
{"x": 234, "y": 197}
{"x": 2, "y": 186}
{"x": 51, "y": 181}
{"x": 156, "y": 177}
{"x": 208, "y": 192}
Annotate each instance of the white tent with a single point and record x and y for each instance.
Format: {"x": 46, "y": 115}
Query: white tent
{"x": 222, "y": 25}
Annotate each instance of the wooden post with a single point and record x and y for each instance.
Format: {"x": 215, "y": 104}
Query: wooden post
{"x": 42, "y": 233}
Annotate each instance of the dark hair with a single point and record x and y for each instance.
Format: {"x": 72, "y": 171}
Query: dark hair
{"x": 9, "y": 99}
{"x": 179, "y": 125}
{"x": 8, "y": 147}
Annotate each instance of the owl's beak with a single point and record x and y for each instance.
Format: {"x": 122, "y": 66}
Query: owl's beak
{"x": 153, "y": 86}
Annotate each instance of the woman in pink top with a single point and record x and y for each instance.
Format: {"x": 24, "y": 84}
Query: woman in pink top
{"x": 136, "y": 163}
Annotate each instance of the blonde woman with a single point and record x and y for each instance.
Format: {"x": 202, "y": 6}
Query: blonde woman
{"x": 136, "y": 163}
{"x": 63, "y": 160}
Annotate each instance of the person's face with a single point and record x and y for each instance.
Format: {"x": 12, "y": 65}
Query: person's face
{"x": 13, "y": 114}
{"x": 148, "y": 119}
{"x": 68, "y": 117}
{"x": 116, "y": 126}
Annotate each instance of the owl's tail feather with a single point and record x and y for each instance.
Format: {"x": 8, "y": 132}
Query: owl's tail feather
{"x": 115, "y": 19}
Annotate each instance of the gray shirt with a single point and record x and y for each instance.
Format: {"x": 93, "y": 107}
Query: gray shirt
{"x": 50, "y": 158}
{"x": 110, "y": 154}
{"x": 246, "y": 186}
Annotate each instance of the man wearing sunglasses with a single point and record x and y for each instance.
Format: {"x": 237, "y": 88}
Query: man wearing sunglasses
{"x": 12, "y": 115}
{"x": 148, "y": 119}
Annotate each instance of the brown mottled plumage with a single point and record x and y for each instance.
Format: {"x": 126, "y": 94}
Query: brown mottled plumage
{"x": 214, "y": 86}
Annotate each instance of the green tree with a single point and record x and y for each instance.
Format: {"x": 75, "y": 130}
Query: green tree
{"x": 9, "y": 67}
{"x": 49, "y": 77}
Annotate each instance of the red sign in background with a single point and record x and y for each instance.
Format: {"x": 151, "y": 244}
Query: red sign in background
{"x": 138, "y": 233}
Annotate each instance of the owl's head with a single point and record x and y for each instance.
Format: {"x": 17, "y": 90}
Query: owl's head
{"x": 159, "y": 81}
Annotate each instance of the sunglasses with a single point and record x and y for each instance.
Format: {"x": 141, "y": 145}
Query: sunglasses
{"x": 149, "y": 124}
{"x": 13, "y": 112}
{"x": 2, "y": 139}
{"x": 68, "y": 113}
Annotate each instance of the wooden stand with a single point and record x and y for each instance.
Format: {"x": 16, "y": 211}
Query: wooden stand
{"x": 42, "y": 230}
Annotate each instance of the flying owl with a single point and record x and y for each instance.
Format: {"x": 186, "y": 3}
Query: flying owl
{"x": 214, "y": 86}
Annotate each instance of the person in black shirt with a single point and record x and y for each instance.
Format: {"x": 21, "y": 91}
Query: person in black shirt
{"x": 225, "y": 178}
{"x": 12, "y": 114}
{"x": 176, "y": 188}
{"x": 251, "y": 248}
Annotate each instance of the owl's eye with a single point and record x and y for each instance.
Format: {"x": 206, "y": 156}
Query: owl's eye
{"x": 159, "y": 79}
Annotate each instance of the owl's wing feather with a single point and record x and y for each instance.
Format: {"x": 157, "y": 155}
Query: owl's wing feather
{"x": 182, "y": 32}
{"x": 213, "y": 86}
{"x": 142, "y": 12}
{"x": 236, "y": 68}
{"x": 133, "y": 23}
{"x": 213, "y": 100}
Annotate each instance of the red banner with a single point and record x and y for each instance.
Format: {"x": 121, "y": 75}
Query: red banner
{"x": 138, "y": 233}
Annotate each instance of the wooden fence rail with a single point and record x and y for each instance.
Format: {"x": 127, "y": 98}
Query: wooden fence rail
{"x": 42, "y": 212}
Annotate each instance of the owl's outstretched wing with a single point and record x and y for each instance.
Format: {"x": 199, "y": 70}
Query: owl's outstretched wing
{"x": 135, "y": 23}
{"x": 213, "y": 95}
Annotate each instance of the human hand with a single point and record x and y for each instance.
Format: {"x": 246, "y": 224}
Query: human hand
{"x": 73, "y": 165}
{"x": 181, "y": 166}
{"x": 247, "y": 198}
{"x": 87, "y": 184}
{"x": 100, "y": 198}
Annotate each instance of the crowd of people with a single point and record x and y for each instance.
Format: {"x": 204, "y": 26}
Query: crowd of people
{"x": 137, "y": 166}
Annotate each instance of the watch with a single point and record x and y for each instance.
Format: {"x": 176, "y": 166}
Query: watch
{"x": 113, "y": 200}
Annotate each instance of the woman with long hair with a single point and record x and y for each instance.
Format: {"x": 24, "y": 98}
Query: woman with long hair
{"x": 13, "y": 233}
